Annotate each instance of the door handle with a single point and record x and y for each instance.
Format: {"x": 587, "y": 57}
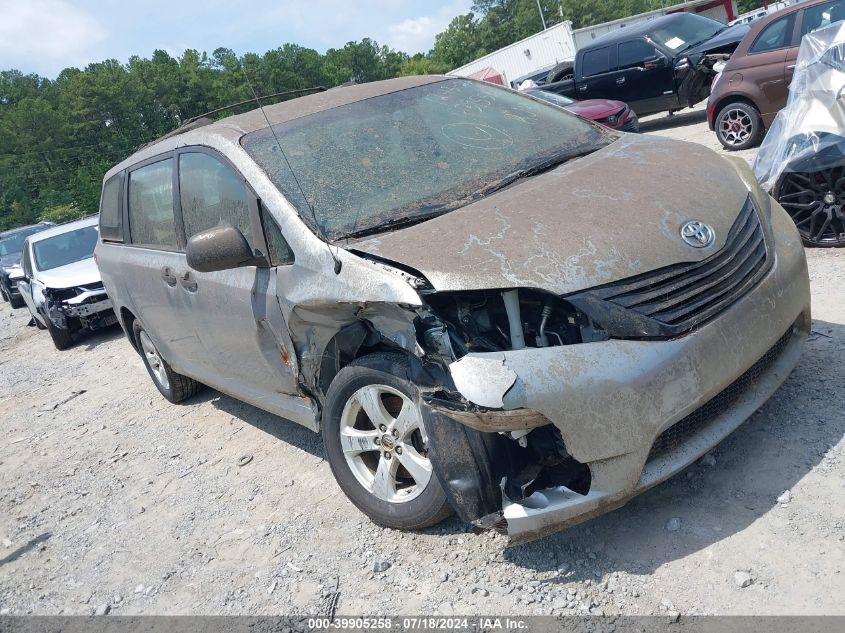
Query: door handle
{"x": 168, "y": 276}
{"x": 582, "y": 88}
{"x": 791, "y": 67}
{"x": 620, "y": 81}
{"x": 188, "y": 282}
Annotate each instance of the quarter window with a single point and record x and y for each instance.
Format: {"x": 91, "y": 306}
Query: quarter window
{"x": 151, "y": 220}
{"x": 280, "y": 252}
{"x": 635, "y": 53}
{"x": 596, "y": 62}
{"x": 111, "y": 210}
{"x": 777, "y": 35}
{"x": 212, "y": 195}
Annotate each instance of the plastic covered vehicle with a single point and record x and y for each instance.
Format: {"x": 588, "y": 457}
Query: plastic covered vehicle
{"x": 802, "y": 161}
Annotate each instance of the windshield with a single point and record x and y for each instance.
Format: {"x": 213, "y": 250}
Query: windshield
{"x": 685, "y": 31}
{"x": 13, "y": 244}
{"x": 551, "y": 97}
{"x": 66, "y": 248}
{"x": 412, "y": 154}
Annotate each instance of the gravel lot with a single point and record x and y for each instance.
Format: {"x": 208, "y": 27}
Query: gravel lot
{"x": 113, "y": 500}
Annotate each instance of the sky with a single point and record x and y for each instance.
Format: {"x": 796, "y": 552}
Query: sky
{"x": 46, "y": 36}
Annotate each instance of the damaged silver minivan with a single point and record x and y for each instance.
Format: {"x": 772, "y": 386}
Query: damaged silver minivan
{"x": 486, "y": 304}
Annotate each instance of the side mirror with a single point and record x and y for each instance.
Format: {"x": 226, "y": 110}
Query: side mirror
{"x": 221, "y": 248}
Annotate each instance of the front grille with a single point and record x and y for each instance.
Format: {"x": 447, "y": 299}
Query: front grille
{"x": 683, "y": 296}
{"x": 681, "y": 431}
{"x": 631, "y": 126}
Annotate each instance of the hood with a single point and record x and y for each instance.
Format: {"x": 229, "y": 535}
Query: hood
{"x": 724, "y": 42}
{"x": 78, "y": 273}
{"x": 7, "y": 261}
{"x": 608, "y": 216}
{"x": 596, "y": 108}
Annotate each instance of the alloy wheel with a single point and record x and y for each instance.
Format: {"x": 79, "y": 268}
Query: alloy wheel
{"x": 154, "y": 359}
{"x": 735, "y": 126}
{"x": 385, "y": 444}
{"x": 816, "y": 203}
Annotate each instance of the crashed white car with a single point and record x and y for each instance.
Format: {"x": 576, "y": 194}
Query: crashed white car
{"x": 61, "y": 284}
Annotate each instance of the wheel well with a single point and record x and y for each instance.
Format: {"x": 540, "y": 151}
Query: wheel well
{"x": 731, "y": 99}
{"x": 127, "y": 319}
{"x": 347, "y": 346}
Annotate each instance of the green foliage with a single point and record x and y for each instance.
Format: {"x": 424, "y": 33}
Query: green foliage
{"x": 62, "y": 213}
{"x": 58, "y": 137}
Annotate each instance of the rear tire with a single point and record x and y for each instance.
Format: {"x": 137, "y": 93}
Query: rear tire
{"x": 376, "y": 444}
{"x": 739, "y": 126}
{"x": 173, "y": 386}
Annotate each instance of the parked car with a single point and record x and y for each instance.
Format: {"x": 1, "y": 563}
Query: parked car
{"x": 665, "y": 64}
{"x": 11, "y": 245}
{"x": 802, "y": 159}
{"x": 613, "y": 114}
{"x": 754, "y": 84}
{"x": 61, "y": 285}
{"x": 491, "y": 310}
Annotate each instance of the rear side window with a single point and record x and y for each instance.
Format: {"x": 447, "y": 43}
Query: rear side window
{"x": 635, "y": 53}
{"x": 596, "y": 62}
{"x": 151, "y": 220}
{"x": 111, "y": 209}
{"x": 822, "y": 15}
{"x": 211, "y": 195}
{"x": 777, "y": 35}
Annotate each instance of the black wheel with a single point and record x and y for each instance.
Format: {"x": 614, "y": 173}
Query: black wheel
{"x": 62, "y": 338}
{"x": 16, "y": 302}
{"x": 562, "y": 72}
{"x": 173, "y": 386}
{"x": 377, "y": 445}
{"x": 3, "y": 294}
{"x": 739, "y": 126}
{"x": 816, "y": 203}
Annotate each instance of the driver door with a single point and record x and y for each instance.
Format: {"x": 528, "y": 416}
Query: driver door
{"x": 236, "y": 315}
{"x": 645, "y": 78}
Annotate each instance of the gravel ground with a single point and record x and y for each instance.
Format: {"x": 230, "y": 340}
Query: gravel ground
{"x": 113, "y": 500}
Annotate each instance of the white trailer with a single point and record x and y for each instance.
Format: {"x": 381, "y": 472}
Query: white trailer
{"x": 540, "y": 51}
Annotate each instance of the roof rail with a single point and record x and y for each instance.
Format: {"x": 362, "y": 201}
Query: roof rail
{"x": 204, "y": 119}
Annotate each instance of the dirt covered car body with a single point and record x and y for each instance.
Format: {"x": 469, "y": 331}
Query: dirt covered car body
{"x": 435, "y": 273}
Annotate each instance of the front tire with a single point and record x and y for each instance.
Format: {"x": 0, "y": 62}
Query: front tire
{"x": 173, "y": 386}
{"x": 16, "y": 302}
{"x": 62, "y": 339}
{"x": 739, "y": 126}
{"x": 377, "y": 446}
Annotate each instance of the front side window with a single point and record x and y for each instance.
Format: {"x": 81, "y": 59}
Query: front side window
{"x": 596, "y": 62}
{"x": 777, "y": 35}
{"x": 212, "y": 195}
{"x": 65, "y": 248}
{"x": 151, "y": 221}
{"x": 410, "y": 155}
{"x": 635, "y": 53}
{"x": 111, "y": 209}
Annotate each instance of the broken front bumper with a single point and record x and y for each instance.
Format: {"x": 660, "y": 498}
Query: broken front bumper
{"x": 636, "y": 412}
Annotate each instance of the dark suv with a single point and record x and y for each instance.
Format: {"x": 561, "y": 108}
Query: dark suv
{"x": 11, "y": 245}
{"x": 754, "y": 84}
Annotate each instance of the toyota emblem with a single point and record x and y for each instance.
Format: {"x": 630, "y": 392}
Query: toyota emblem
{"x": 697, "y": 234}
